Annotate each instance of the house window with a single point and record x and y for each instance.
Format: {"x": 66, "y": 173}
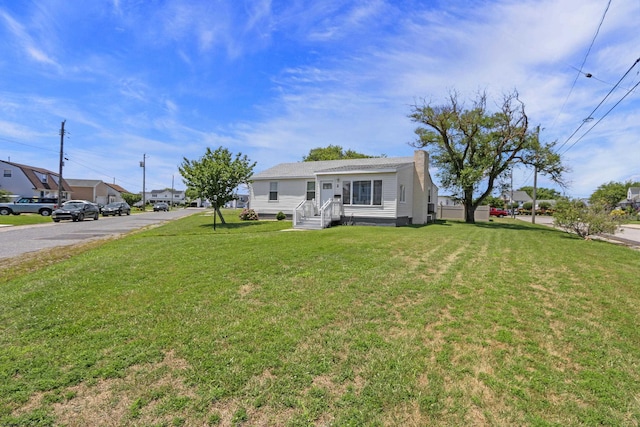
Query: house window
{"x": 41, "y": 177}
{"x": 377, "y": 192}
{"x": 403, "y": 194}
{"x": 346, "y": 192}
{"x": 364, "y": 192}
{"x": 311, "y": 190}
{"x": 273, "y": 191}
{"x": 7, "y": 173}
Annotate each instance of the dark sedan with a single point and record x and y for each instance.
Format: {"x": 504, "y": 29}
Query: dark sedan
{"x": 161, "y": 207}
{"x": 76, "y": 210}
{"x": 116, "y": 208}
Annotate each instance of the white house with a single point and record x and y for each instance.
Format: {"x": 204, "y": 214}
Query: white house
{"x": 173, "y": 197}
{"x": 31, "y": 181}
{"x": 375, "y": 191}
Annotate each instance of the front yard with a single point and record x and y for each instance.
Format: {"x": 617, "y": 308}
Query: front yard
{"x": 501, "y": 323}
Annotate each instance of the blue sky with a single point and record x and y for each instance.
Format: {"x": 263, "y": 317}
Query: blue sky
{"x": 274, "y": 79}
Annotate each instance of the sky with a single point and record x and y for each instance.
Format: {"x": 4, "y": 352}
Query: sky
{"x": 271, "y": 79}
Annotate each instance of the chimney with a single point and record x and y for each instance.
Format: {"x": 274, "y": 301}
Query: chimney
{"x": 421, "y": 187}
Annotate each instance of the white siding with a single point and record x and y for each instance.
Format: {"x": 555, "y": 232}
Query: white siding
{"x": 389, "y": 197}
{"x": 405, "y": 177}
{"x": 290, "y": 193}
{"x": 18, "y": 183}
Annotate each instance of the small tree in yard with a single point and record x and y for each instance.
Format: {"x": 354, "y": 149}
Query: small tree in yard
{"x": 576, "y": 217}
{"x": 216, "y": 175}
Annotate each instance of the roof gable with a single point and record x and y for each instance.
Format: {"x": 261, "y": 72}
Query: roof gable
{"x": 32, "y": 172}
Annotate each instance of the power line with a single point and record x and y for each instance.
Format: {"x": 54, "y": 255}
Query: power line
{"x": 598, "y": 106}
{"x": 584, "y": 61}
{"x": 605, "y": 115}
{"x": 27, "y": 145}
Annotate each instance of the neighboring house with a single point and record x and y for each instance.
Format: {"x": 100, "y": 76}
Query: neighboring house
{"x": 376, "y": 191}
{"x": 96, "y": 191}
{"x": 633, "y": 198}
{"x": 31, "y": 181}
{"x": 241, "y": 201}
{"x": 173, "y": 197}
{"x": 519, "y": 197}
{"x": 447, "y": 201}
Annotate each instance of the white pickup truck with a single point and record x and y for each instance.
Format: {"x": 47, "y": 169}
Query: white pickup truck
{"x": 42, "y": 206}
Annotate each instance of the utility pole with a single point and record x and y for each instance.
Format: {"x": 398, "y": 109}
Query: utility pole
{"x": 535, "y": 178}
{"x": 61, "y": 163}
{"x": 172, "y": 196}
{"x": 143, "y": 164}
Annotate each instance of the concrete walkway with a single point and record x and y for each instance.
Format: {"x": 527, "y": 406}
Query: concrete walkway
{"x": 628, "y": 234}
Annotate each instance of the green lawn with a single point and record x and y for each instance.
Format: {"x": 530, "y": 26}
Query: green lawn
{"x": 501, "y": 323}
{"x": 24, "y": 219}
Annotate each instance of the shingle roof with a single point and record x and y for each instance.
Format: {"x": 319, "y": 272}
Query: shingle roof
{"x": 117, "y": 188}
{"x": 309, "y": 169}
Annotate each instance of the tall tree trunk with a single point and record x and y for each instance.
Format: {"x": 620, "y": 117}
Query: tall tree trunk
{"x": 469, "y": 214}
{"x": 469, "y": 208}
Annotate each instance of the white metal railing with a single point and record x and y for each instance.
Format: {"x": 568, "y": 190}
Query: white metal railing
{"x": 325, "y": 214}
{"x": 298, "y": 213}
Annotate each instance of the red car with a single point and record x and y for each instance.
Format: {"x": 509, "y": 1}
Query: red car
{"x": 498, "y": 212}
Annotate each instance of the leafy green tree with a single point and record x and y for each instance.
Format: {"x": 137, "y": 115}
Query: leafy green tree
{"x": 216, "y": 175}
{"x": 474, "y": 148}
{"x": 542, "y": 193}
{"x": 131, "y": 199}
{"x": 332, "y": 152}
{"x": 611, "y": 193}
{"x": 496, "y": 202}
{"x": 576, "y": 217}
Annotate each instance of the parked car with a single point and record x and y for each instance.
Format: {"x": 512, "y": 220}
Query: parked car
{"x": 76, "y": 210}
{"x": 498, "y": 212}
{"x": 161, "y": 207}
{"x": 43, "y": 206}
{"x": 116, "y": 208}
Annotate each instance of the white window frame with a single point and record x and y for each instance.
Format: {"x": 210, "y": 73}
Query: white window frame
{"x": 309, "y": 192}
{"x": 373, "y": 196}
{"x": 273, "y": 191}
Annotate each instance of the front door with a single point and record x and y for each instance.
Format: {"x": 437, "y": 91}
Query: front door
{"x": 326, "y": 192}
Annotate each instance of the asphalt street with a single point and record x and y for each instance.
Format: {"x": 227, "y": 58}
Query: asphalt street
{"x": 16, "y": 241}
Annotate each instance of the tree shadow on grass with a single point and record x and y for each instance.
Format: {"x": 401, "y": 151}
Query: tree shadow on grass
{"x": 246, "y": 226}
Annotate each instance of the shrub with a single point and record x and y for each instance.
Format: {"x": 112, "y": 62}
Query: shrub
{"x": 248, "y": 215}
{"x": 575, "y": 216}
{"x": 280, "y": 216}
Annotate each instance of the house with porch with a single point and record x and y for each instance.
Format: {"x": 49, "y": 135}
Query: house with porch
{"x": 392, "y": 191}
{"x": 32, "y": 181}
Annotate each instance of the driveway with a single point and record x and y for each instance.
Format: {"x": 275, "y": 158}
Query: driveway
{"x": 20, "y": 240}
{"x": 628, "y": 234}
